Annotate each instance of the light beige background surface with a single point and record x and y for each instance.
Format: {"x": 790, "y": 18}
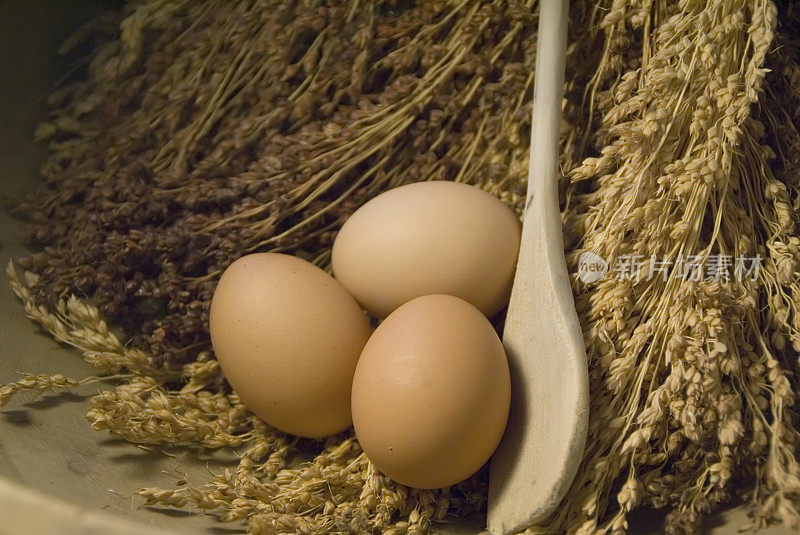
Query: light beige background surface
{"x": 45, "y": 443}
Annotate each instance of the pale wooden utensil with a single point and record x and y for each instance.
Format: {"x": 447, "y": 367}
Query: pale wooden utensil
{"x": 540, "y": 452}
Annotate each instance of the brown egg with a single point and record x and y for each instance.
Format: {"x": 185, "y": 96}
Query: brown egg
{"x": 288, "y": 337}
{"x": 431, "y": 392}
{"x": 429, "y": 238}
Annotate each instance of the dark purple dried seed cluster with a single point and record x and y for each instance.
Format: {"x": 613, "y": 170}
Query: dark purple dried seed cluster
{"x": 217, "y": 129}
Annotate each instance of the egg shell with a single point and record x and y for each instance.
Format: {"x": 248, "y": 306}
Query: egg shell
{"x": 431, "y": 392}
{"x": 429, "y": 238}
{"x": 288, "y": 336}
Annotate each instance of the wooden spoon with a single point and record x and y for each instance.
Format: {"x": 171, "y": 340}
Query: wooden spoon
{"x": 543, "y": 444}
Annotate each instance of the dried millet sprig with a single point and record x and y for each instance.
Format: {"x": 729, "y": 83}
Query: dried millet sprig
{"x": 77, "y": 324}
{"x": 44, "y": 383}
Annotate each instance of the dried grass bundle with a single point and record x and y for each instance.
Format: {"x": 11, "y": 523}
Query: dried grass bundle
{"x": 207, "y": 130}
{"x": 693, "y": 383}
